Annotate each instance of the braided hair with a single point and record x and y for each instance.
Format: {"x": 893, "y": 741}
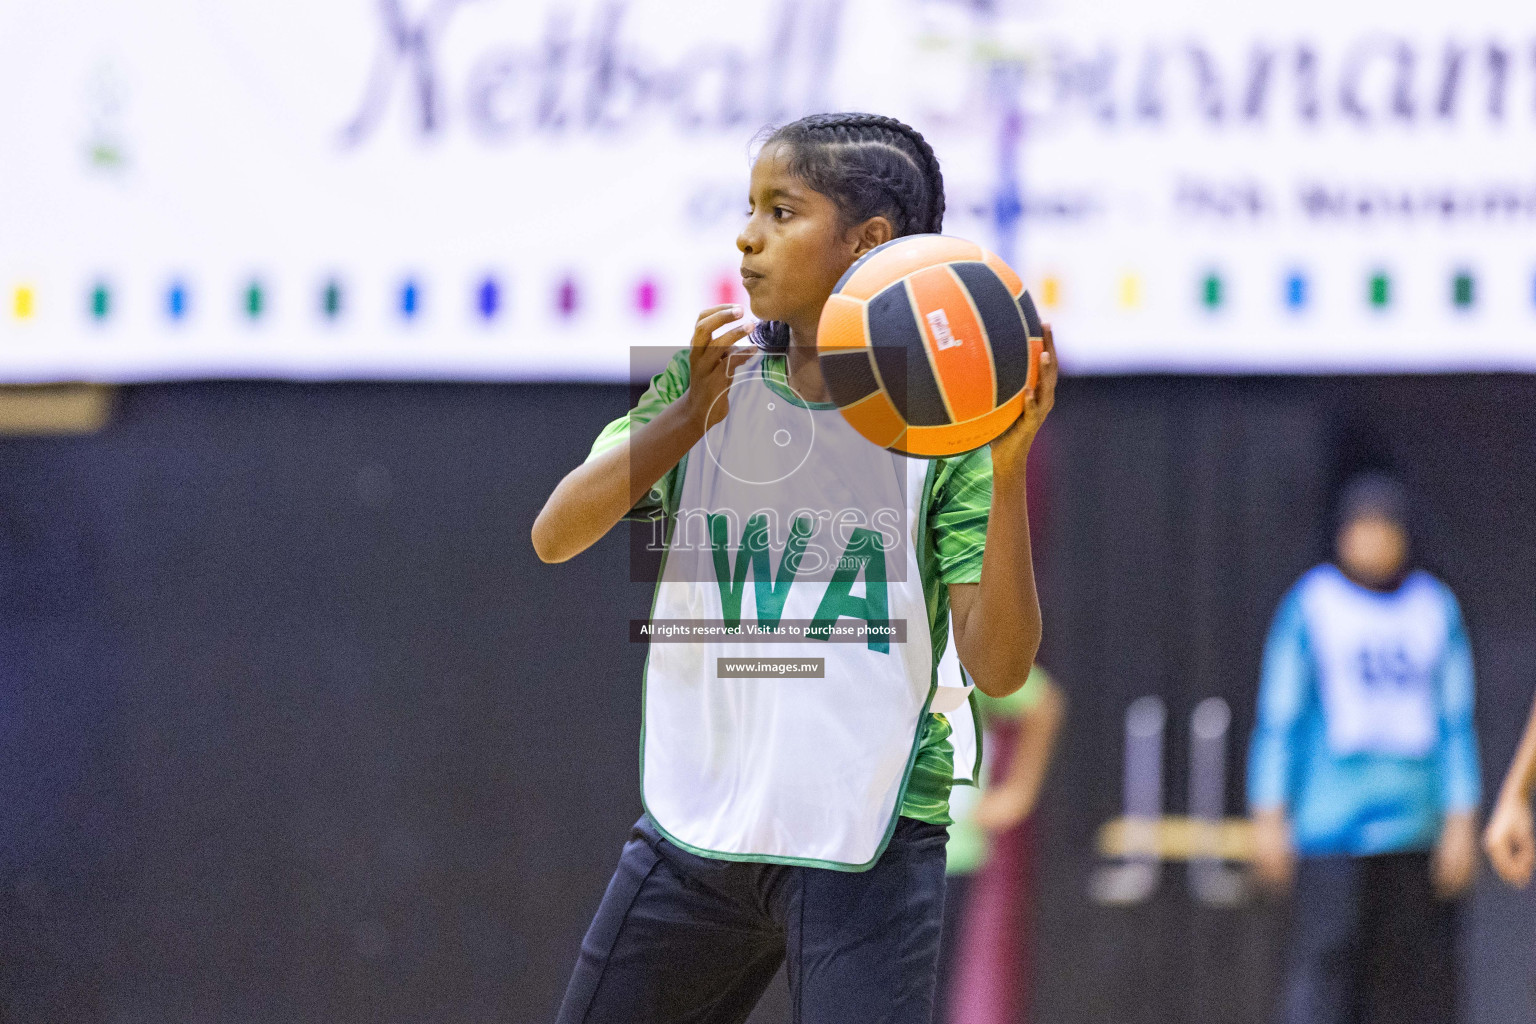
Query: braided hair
{"x": 870, "y": 166}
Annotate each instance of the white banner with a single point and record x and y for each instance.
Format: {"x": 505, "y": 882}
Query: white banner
{"x": 524, "y": 189}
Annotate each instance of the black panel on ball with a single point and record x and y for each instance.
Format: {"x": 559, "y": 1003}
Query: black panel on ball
{"x": 1031, "y": 316}
{"x": 903, "y": 360}
{"x": 1004, "y": 324}
{"x": 849, "y": 375}
{"x": 1005, "y": 329}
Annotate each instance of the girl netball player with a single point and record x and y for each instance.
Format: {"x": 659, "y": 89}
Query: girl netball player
{"x": 787, "y": 818}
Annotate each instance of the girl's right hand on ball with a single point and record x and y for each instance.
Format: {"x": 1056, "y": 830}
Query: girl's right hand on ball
{"x": 711, "y": 363}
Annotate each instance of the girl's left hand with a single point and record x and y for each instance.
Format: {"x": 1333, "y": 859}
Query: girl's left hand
{"x": 1011, "y": 448}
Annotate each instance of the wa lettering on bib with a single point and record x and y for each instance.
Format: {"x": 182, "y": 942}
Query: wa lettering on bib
{"x": 788, "y": 519}
{"x": 1377, "y": 656}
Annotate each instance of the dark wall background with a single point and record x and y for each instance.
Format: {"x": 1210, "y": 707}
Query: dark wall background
{"x": 294, "y": 726}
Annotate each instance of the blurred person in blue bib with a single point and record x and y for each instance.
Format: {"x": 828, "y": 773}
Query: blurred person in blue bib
{"x": 1363, "y": 774}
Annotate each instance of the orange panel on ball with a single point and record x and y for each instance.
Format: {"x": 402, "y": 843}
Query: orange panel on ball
{"x": 898, "y": 258}
{"x": 957, "y": 342}
{"x": 957, "y": 438}
{"x": 876, "y": 418}
{"x": 842, "y": 324}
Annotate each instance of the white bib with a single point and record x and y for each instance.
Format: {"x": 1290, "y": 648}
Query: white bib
{"x": 801, "y": 770}
{"x": 1376, "y": 657}
{"x": 954, "y": 699}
